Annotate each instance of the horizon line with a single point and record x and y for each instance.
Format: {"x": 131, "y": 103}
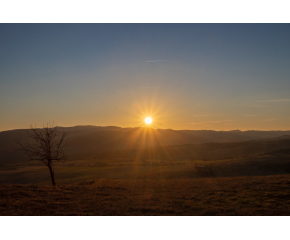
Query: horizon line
{"x": 156, "y": 129}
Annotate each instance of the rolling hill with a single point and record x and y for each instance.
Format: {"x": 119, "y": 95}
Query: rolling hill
{"x": 92, "y": 141}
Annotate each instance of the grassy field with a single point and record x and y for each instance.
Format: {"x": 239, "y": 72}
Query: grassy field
{"x": 247, "y": 185}
{"x": 74, "y": 171}
{"x": 262, "y": 195}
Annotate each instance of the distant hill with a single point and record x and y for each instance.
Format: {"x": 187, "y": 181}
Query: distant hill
{"x": 94, "y": 141}
{"x": 205, "y": 151}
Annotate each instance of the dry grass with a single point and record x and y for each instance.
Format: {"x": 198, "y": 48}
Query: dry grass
{"x": 263, "y": 195}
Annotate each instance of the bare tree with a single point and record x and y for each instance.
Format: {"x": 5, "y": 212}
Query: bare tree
{"x": 47, "y": 146}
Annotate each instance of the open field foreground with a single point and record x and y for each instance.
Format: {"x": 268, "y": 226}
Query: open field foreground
{"x": 260, "y": 195}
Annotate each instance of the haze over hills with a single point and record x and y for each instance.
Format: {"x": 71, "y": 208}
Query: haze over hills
{"x": 94, "y": 141}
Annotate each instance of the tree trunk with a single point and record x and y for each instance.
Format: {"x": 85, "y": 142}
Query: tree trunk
{"x": 51, "y": 175}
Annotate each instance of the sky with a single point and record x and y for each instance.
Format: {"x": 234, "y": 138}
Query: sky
{"x": 183, "y": 76}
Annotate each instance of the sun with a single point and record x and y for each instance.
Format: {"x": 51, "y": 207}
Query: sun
{"x": 148, "y": 120}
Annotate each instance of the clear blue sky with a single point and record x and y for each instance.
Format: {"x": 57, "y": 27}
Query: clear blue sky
{"x": 185, "y": 76}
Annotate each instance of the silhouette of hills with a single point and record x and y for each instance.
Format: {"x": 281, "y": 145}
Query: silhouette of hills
{"x": 112, "y": 141}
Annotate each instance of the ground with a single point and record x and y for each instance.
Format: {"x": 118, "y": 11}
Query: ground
{"x": 260, "y": 195}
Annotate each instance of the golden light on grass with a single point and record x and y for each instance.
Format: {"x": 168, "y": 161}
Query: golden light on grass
{"x": 148, "y": 120}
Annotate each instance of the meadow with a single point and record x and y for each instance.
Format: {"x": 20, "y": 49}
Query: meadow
{"x": 238, "y": 196}
{"x": 73, "y": 171}
{"x": 128, "y": 187}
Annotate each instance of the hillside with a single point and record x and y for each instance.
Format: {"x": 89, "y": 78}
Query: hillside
{"x": 91, "y": 141}
{"x": 240, "y": 196}
{"x": 250, "y": 158}
{"x": 205, "y": 151}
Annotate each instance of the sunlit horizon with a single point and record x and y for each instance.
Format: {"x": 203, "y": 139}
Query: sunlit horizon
{"x": 145, "y": 126}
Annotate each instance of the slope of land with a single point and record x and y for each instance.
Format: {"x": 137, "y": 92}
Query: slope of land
{"x": 89, "y": 141}
{"x": 248, "y": 196}
{"x": 269, "y": 163}
{"x": 206, "y": 151}
{"x": 250, "y": 158}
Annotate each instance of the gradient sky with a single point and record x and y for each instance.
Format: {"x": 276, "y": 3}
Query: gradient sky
{"x": 185, "y": 76}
